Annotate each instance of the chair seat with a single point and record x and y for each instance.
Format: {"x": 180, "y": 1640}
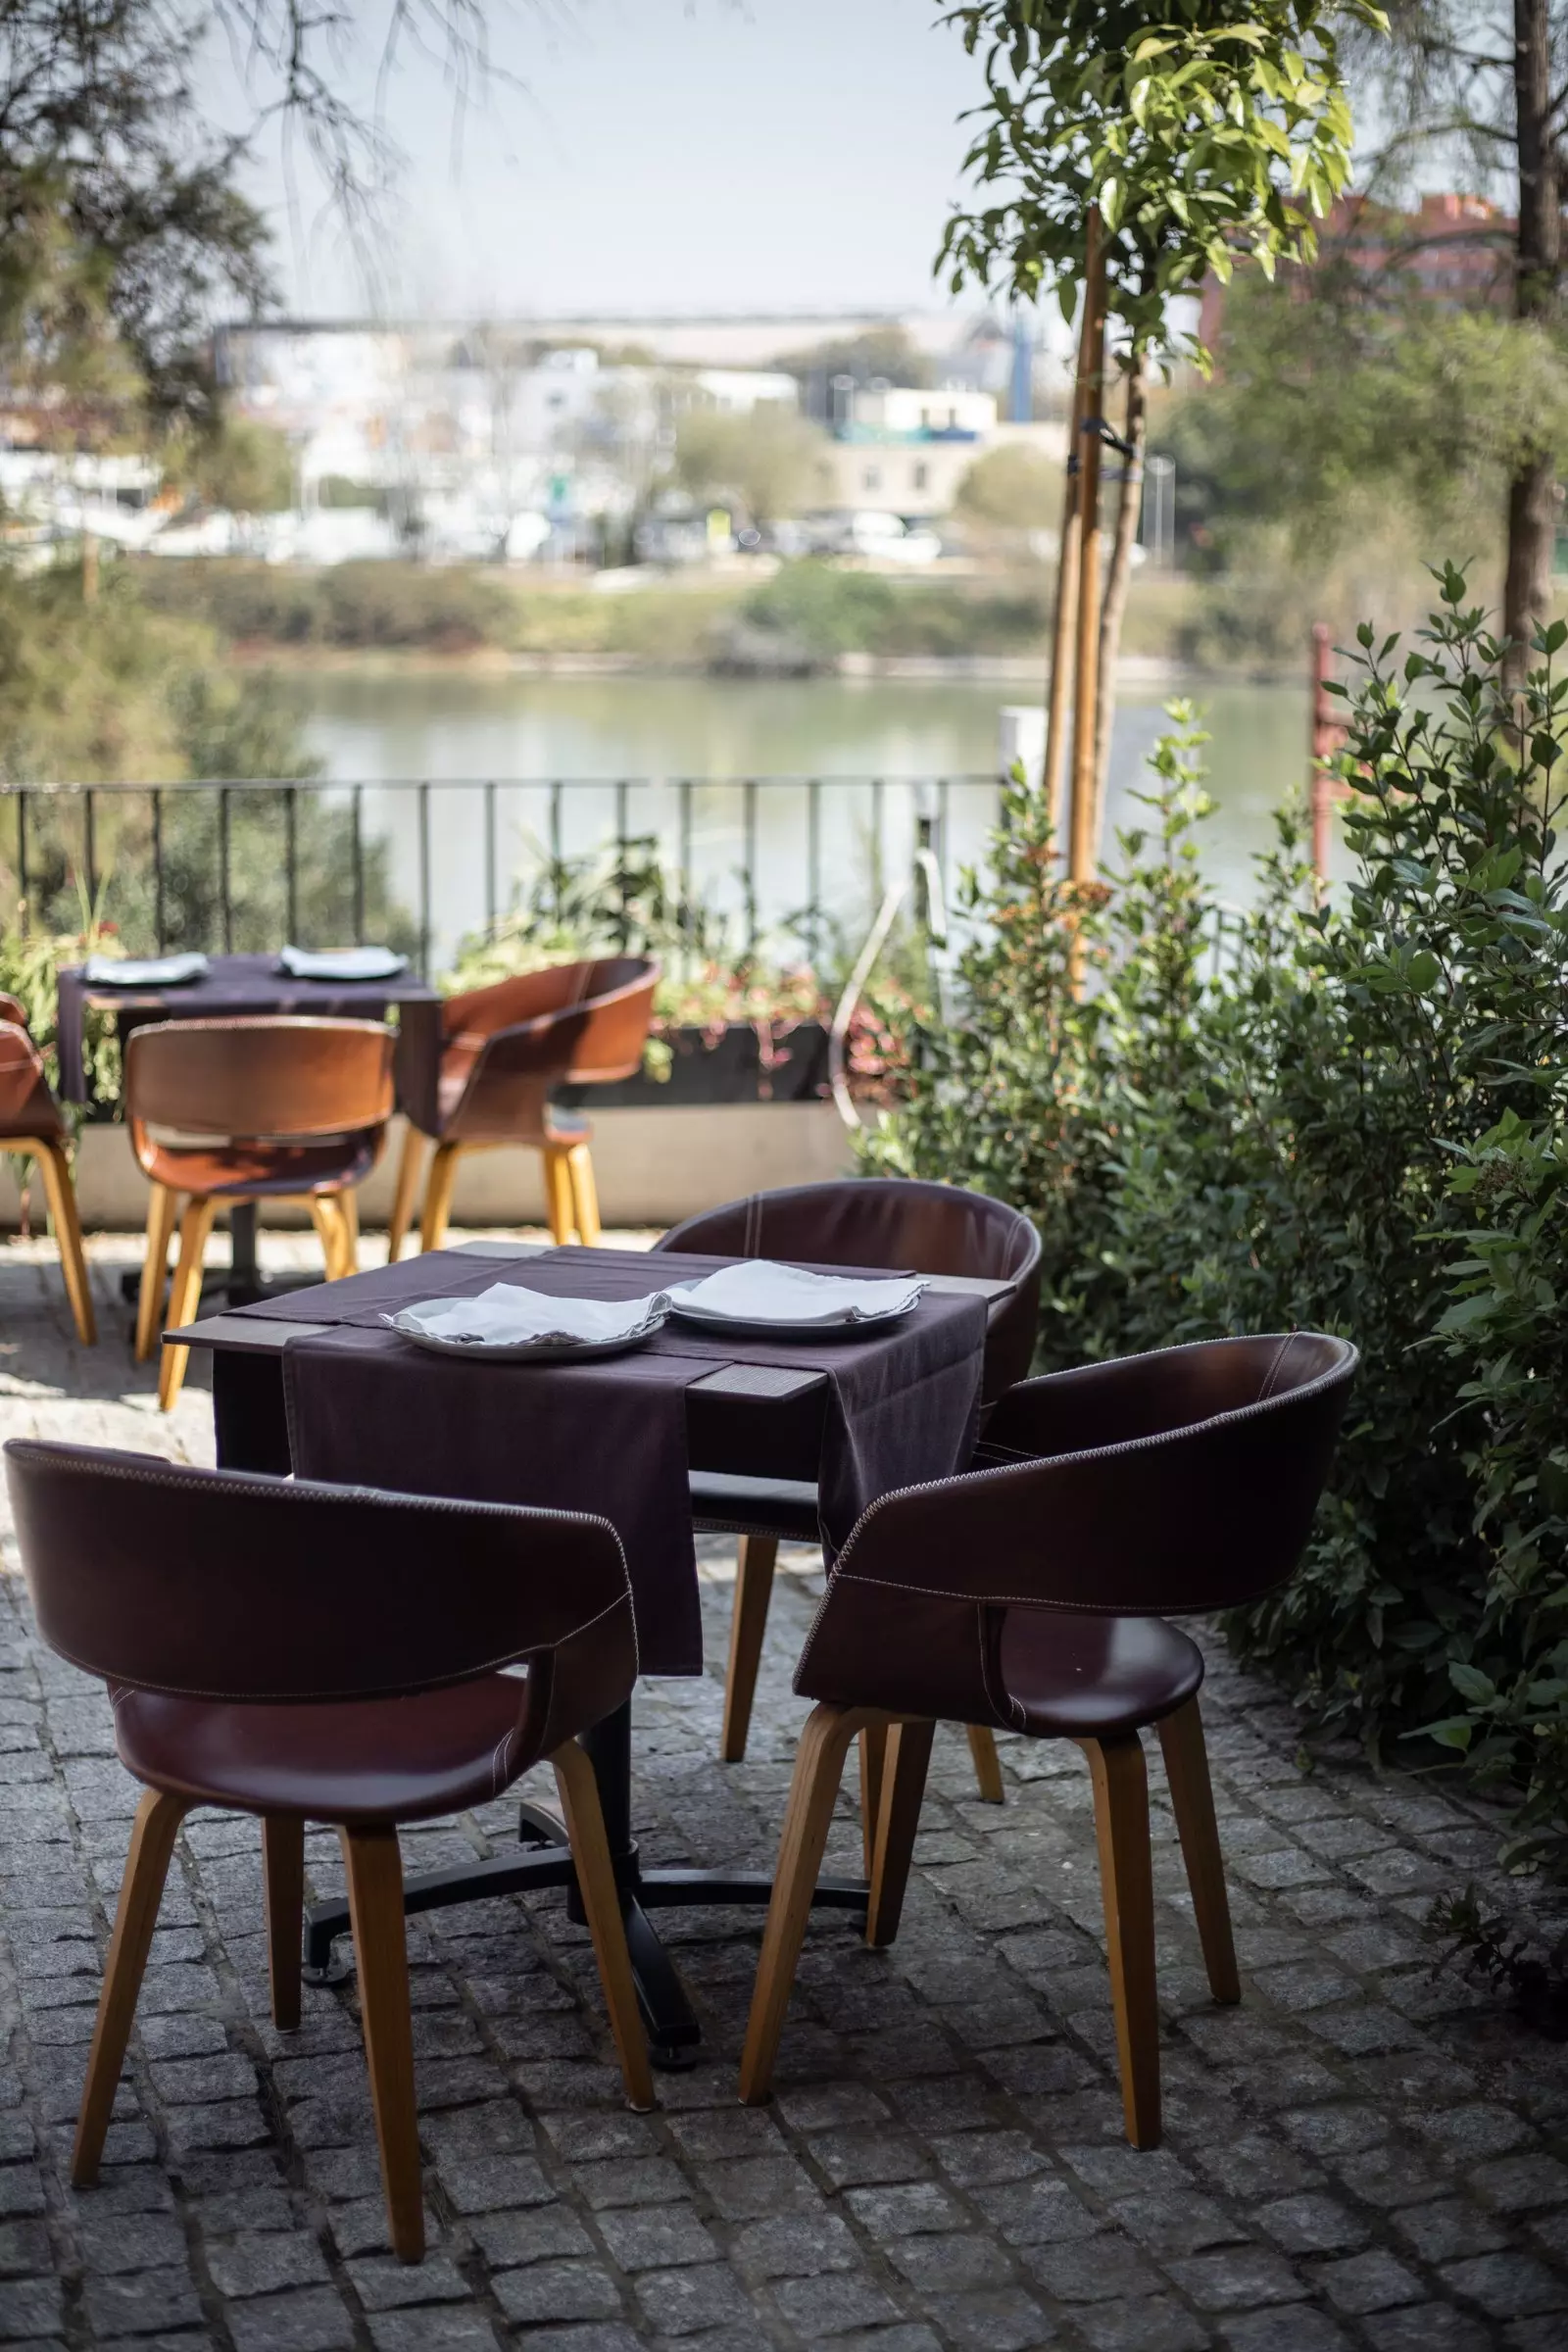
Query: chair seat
{"x": 1094, "y": 1678}
{"x": 782, "y": 1507}
{"x": 260, "y": 1172}
{"x": 387, "y": 1759}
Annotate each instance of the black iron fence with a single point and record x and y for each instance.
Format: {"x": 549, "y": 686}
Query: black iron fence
{"x": 238, "y": 864}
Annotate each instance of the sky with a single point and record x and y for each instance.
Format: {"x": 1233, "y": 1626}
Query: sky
{"x": 659, "y": 155}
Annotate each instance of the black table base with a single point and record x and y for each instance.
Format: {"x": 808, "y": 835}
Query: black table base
{"x": 542, "y": 1861}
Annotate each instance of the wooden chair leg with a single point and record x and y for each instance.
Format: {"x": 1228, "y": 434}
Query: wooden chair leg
{"x": 163, "y": 1214}
{"x": 1127, "y": 1889}
{"x": 184, "y": 1296}
{"x": 819, "y": 1768}
{"x": 407, "y": 1193}
{"x": 152, "y": 1841}
{"x": 324, "y": 1219}
{"x": 438, "y": 1196}
{"x": 601, "y": 1902}
{"x": 560, "y": 1207}
{"x": 898, "y": 1820}
{"x": 347, "y": 1204}
{"x": 873, "y": 1744}
{"x": 61, "y": 1194}
{"x": 584, "y": 1195}
{"x": 755, "y": 1556}
{"x": 283, "y": 1887}
{"x": 381, "y": 1958}
{"x": 1191, "y": 1796}
{"x": 987, "y": 1764}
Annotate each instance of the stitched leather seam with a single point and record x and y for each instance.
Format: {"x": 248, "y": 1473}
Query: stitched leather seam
{"x": 1014, "y": 1710}
{"x": 1022, "y": 1600}
{"x": 1275, "y": 1368}
{"x": 1100, "y": 1453}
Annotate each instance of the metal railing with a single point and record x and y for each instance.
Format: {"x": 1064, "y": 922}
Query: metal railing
{"x": 216, "y": 865}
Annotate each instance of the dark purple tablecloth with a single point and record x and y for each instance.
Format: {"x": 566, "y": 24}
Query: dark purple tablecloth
{"x": 237, "y": 985}
{"x": 368, "y": 1407}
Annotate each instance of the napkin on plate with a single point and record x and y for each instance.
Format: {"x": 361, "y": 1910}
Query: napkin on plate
{"x": 507, "y": 1316}
{"x": 342, "y": 963}
{"x": 145, "y": 971}
{"x": 761, "y": 1292}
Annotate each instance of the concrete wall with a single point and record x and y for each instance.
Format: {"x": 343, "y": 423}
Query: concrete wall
{"x": 654, "y": 1167}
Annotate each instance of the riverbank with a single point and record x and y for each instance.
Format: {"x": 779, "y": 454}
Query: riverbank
{"x": 805, "y": 619}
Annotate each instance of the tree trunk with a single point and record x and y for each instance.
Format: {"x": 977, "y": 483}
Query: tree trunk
{"x": 1538, "y": 274}
{"x": 1118, "y": 581}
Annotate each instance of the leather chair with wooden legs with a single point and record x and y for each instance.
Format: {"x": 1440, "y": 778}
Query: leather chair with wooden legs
{"x": 253, "y": 1109}
{"x": 506, "y": 1049}
{"x": 893, "y": 1222}
{"x": 271, "y": 1647}
{"x": 30, "y": 1122}
{"x": 1031, "y": 1594}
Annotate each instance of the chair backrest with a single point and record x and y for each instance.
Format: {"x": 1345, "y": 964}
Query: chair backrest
{"x": 898, "y": 1222}
{"x": 284, "y": 1078}
{"x": 26, "y": 1106}
{"x": 229, "y": 1586}
{"x": 1163, "y": 1485}
{"x": 586, "y": 1023}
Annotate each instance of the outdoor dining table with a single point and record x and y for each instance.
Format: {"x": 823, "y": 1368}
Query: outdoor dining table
{"x": 233, "y": 987}
{"x": 315, "y": 1384}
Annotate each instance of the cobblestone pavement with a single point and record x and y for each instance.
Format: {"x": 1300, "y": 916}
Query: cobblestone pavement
{"x": 1360, "y": 2156}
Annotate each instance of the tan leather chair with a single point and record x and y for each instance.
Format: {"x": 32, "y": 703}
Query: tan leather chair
{"x": 904, "y": 1225}
{"x": 505, "y": 1047}
{"x": 30, "y": 1121}
{"x": 272, "y": 1648}
{"x": 266, "y": 1109}
{"x": 1031, "y": 1594}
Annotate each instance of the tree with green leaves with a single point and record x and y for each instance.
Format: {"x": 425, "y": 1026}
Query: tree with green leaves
{"x": 1203, "y": 130}
{"x": 1485, "y": 84}
{"x": 766, "y": 460}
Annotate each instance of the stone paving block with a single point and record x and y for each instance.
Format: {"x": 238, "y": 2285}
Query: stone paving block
{"x": 29, "y": 2307}
{"x": 492, "y": 2183}
{"x": 317, "y": 2321}
{"x": 382, "y": 2283}
{"x": 1362, "y": 2283}
{"x": 1311, "y": 2224}
{"x": 1235, "y": 2279}
{"x": 112, "y": 2241}
{"x": 683, "y": 2302}
{"x": 1152, "y": 2324}
{"x": 444, "y": 2327}
{"x": 1506, "y": 2285}
{"x": 852, "y": 2159}
{"x": 556, "y": 2290}
{"x": 531, "y": 2235}
{"x": 647, "y": 2237}
{"x": 1427, "y": 2328}
{"x": 831, "y": 2306}
{"x": 792, "y": 2246}
{"x": 144, "y": 2302}
{"x": 1093, "y": 2270}
{"x": 1293, "y": 2331}
{"x": 995, "y": 2320}
{"x": 265, "y": 2262}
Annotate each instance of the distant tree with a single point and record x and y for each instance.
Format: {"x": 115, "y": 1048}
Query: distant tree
{"x": 765, "y": 458}
{"x": 122, "y": 224}
{"x": 1013, "y": 488}
{"x": 244, "y": 466}
{"x": 1486, "y": 86}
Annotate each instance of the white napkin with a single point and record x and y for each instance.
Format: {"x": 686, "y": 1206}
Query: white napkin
{"x": 146, "y": 971}
{"x": 342, "y": 963}
{"x": 762, "y": 1291}
{"x": 507, "y": 1315}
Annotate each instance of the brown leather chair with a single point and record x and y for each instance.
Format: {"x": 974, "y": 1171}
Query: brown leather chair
{"x": 272, "y": 1648}
{"x": 30, "y": 1122}
{"x": 896, "y": 1222}
{"x": 505, "y": 1047}
{"x": 249, "y": 1110}
{"x": 1023, "y": 1594}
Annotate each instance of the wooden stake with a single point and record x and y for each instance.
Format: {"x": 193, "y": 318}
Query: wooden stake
{"x": 1091, "y": 394}
{"x": 1062, "y": 621}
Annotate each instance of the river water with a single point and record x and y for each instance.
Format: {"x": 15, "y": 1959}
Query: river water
{"x": 645, "y": 733}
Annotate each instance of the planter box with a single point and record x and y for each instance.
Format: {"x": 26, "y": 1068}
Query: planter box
{"x": 728, "y": 1068}
{"x": 654, "y": 1166}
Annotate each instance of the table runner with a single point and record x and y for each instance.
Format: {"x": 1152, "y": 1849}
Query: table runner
{"x": 367, "y": 1406}
{"x": 237, "y": 985}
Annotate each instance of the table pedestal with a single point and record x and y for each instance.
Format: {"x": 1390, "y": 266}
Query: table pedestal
{"x": 542, "y": 1861}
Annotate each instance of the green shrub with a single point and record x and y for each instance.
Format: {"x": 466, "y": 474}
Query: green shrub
{"x": 1357, "y": 1124}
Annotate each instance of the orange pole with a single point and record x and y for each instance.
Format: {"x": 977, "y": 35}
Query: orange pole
{"x": 1052, "y": 776}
